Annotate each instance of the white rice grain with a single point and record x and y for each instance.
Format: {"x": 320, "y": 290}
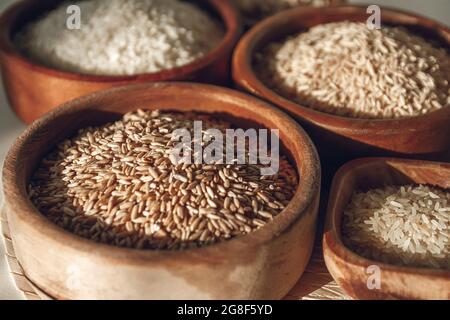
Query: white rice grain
{"x": 347, "y": 69}
{"x": 377, "y": 228}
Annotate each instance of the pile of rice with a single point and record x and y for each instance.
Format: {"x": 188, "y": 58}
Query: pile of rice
{"x": 259, "y": 9}
{"x": 350, "y": 70}
{"x": 403, "y": 225}
{"x": 117, "y": 184}
{"x": 122, "y": 37}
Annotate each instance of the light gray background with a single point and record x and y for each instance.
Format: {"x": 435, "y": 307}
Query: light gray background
{"x": 10, "y": 126}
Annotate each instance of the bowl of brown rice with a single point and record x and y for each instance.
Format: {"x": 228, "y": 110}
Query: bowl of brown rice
{"x": 52, "y": 51}
{"x": 387, "y": 229}
{"x": 97, "y": 208}
{"x": 358, "y": 91}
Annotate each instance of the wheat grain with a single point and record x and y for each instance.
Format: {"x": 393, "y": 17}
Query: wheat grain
{"x": 115, "y": 185}
{"x": 406, "y": 225}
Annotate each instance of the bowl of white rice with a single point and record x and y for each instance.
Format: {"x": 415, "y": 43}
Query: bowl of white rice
{"x": 360, "y": 91}
{"x": 53, "y": 51}
{"x": 387, "y": 229}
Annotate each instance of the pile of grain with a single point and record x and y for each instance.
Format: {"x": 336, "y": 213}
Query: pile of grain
{"x": 259, "y": 9}
{"x": 116, "y": 184}
{"x": 122, "y": 37}
{"x": 347, "y": 69}
{"x": 405, "y": 225}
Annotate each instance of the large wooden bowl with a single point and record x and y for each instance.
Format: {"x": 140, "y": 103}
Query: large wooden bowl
{"x": 34, "y": 89}
{"x": 427, "y": 135}
{"x": 349, "y": 269}
{"x": 261, "y": 265}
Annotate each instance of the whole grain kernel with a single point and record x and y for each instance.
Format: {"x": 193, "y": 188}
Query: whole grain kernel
{"x": 116, "y": 184}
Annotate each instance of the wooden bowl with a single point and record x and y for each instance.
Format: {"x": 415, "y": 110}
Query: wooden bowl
{"x": 33, "y": 89}
{"x": 427, "y": 135}
{"x": 264, "y": 264}
{"x": 350, "y": 269}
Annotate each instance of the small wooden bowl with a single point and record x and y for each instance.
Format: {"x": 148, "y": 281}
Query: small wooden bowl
{"x": 33, "y": 89}
{"x": 427, "y": 135}
{"x": 350, "y": 269}
{"x": 262, "y": 265}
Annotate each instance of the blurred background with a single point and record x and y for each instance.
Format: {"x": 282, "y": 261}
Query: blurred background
{"x": 10, "y": 126}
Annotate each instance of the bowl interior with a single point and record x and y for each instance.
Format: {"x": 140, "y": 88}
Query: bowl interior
{"x": 364, "y": 175}
{"x": 28, "y": 11}
{"x": 109, "y": 105}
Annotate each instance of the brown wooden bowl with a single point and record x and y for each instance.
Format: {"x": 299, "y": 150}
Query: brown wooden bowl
{"x": 33, "y": 89}
{"x": 350, "y": 269}
{"x": 427, "y": 135}
{"x": 262, "y": 265}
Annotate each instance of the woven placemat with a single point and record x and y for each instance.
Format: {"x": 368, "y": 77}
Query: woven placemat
{"x": 23, "y": 284}
{"x": 315, "y": 284}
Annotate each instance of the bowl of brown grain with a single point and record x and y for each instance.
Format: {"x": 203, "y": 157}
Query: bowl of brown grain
{"x": 358, "y": 91}
{"x": 96, "y": 208}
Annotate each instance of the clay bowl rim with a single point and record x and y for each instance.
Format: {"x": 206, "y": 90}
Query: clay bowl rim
{"x": 230, "y": 19}
{"x": 243, "y": 73}
{"x": 332, "y": 237}
{"x": 309, "y": 183}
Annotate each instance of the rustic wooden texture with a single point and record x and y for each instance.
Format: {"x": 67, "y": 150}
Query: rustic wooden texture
{"x": 33, "y": 89}
{"x": 315, "y": 284}
{"x": 348, "y": 268}
{"x": 264, "y": 264}
{"x": 423, "y": 136}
